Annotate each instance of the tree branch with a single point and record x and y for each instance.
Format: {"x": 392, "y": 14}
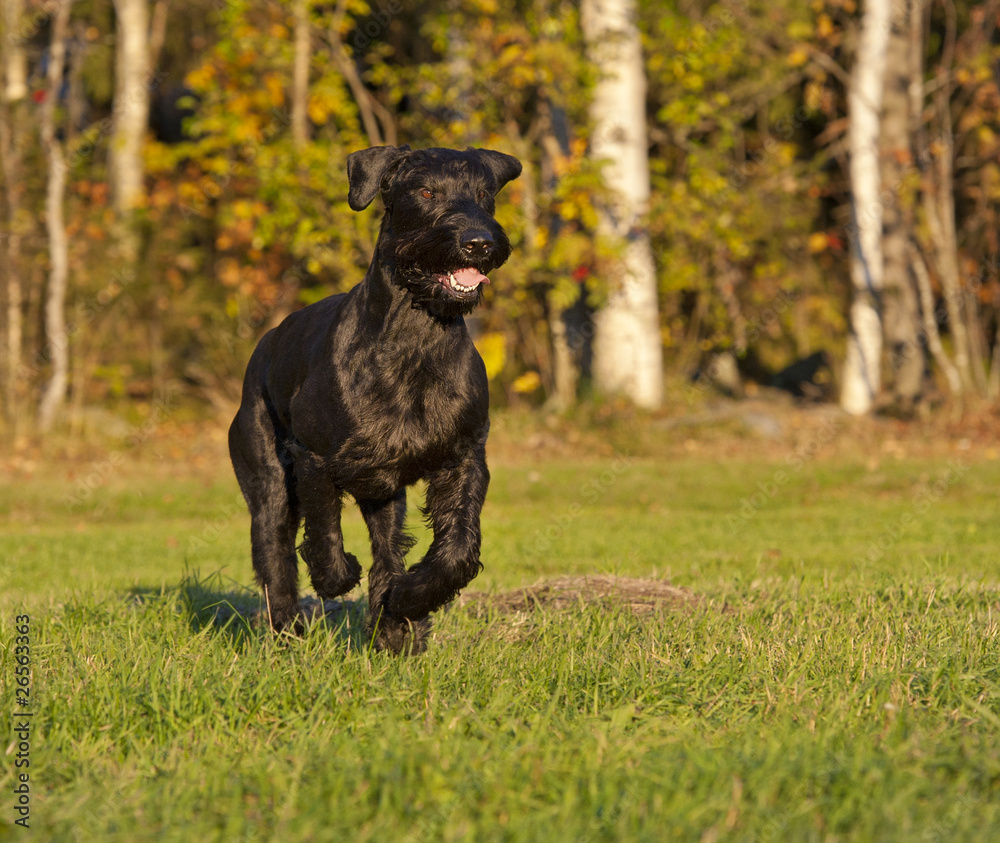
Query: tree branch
{"x": 371, "y": 110}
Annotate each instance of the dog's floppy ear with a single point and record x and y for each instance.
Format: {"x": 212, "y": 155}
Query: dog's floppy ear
{"x": 505, "y": 168}
{"x": 365, "y": 169}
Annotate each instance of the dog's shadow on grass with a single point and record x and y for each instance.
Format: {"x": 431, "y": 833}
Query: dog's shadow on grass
{"x": 240, "y": 613}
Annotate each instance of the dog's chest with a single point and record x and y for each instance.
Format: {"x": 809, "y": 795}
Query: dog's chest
{"x": 413, "y": 415}
{"x": 402, "y": 443}
{"x": 394, "y": 421}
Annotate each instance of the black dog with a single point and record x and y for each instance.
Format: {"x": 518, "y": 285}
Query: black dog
{"x": 367, "y": 392}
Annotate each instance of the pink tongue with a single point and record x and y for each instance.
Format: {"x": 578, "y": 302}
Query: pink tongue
{"x": 470, "y": 277}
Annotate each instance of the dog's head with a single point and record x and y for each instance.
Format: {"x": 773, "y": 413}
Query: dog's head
{"x": 439, "y": 230}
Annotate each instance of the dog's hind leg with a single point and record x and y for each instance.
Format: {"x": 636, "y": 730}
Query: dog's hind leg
{"x": 385, "y": 520}
{"x": 332, "y": 570}
{"x": 455, "y": 499}
{"x": 267, "y": 484}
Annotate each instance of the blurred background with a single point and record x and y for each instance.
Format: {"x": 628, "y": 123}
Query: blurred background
{"x": 735, "y": 199}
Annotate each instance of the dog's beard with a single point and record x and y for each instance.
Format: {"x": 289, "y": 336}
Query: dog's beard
{"x": 442, "y": 280}
{"x": 430, "y": 294}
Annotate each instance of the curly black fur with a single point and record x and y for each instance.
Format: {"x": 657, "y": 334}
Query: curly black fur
{"x": 367, "y": 392}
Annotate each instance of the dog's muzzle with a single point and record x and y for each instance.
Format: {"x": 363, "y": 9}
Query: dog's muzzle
{"x": 462, "y": 282}
{"x": 478, "y": 245}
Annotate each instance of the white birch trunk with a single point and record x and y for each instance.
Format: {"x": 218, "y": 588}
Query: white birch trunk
{"x": 300, "y": 74}
{"x": 900, "y": 307}
{"x": 864, "y": 342}
{"x": 131, "y": 106}
{"x": 15, "y": 90}
{"x": 15, "y": 60}
{"x": 628, "y": 357}
{"x": 56, "y": 336}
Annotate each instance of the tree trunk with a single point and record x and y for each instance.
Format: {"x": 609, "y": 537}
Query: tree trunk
{"x": 628, "y": 355}
{"x": 130, "y": 119}
{"x": 864, "y": 343}
{"x": 300, "y": 75}
{"x": 930, "y": 322}
{"x": 993, "y": 387}
{"x": 564, "y": 319}
{"x": 14, "y": 92}
{"x": 378, "y": 123}
{"x": 900, "y": 308}
{"x": 15, "y": 61}
{"x": 55, "y": 303}
{"x": 939, "y": 205}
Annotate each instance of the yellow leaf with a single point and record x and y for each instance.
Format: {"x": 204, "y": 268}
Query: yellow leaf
{"x": 319, "y": 109}
{"x": 275, "y": 90}
{"x": 528, "y": 382}
{"x": 817, "y": 242}
{"x": 229, "y": 272}
{"x": 200, "y": 79}
{"x": 493, "y": 349}
{"x": 798, "y": 57}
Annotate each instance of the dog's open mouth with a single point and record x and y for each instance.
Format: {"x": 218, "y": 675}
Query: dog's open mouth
{"x": 462, "y": 282}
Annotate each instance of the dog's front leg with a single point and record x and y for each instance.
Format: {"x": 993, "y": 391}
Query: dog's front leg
{"x": 385, "y": 520}
{"x": 333, "y": 570}
{"x": 455, "y": 499}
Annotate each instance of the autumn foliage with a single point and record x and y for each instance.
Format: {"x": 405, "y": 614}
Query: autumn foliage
{"x": 242, "y": 221}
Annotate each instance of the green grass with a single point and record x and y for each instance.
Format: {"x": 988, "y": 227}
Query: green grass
{"x": 838, "y": 678}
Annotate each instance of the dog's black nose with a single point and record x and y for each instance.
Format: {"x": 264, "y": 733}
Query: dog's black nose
{"x": 477, "y": 243}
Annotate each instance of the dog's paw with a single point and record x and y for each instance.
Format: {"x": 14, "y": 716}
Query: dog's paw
{"x": 334, "y": 578}
{"x": 402, "y": 637}
{"x": 291, "y": 624}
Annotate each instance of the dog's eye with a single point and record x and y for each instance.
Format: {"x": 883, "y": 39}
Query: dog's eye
{"x": 482, "y": 194}
{"x": 427, "y": 194}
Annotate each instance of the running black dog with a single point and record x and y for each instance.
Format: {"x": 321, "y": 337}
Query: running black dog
{"x": 367, "y": 392}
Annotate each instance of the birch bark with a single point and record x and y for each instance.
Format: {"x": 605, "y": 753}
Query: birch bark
{"x": 861, "y": 379}
{"x": 56, "y": 336}
{"x": 628, "y": 357}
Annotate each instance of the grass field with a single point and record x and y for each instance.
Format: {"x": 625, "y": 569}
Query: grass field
{"x": 835, "y": 674}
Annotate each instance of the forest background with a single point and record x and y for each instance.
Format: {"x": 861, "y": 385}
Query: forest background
{"x": 725, "y": 617}
{"x": 173, "y": 184}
